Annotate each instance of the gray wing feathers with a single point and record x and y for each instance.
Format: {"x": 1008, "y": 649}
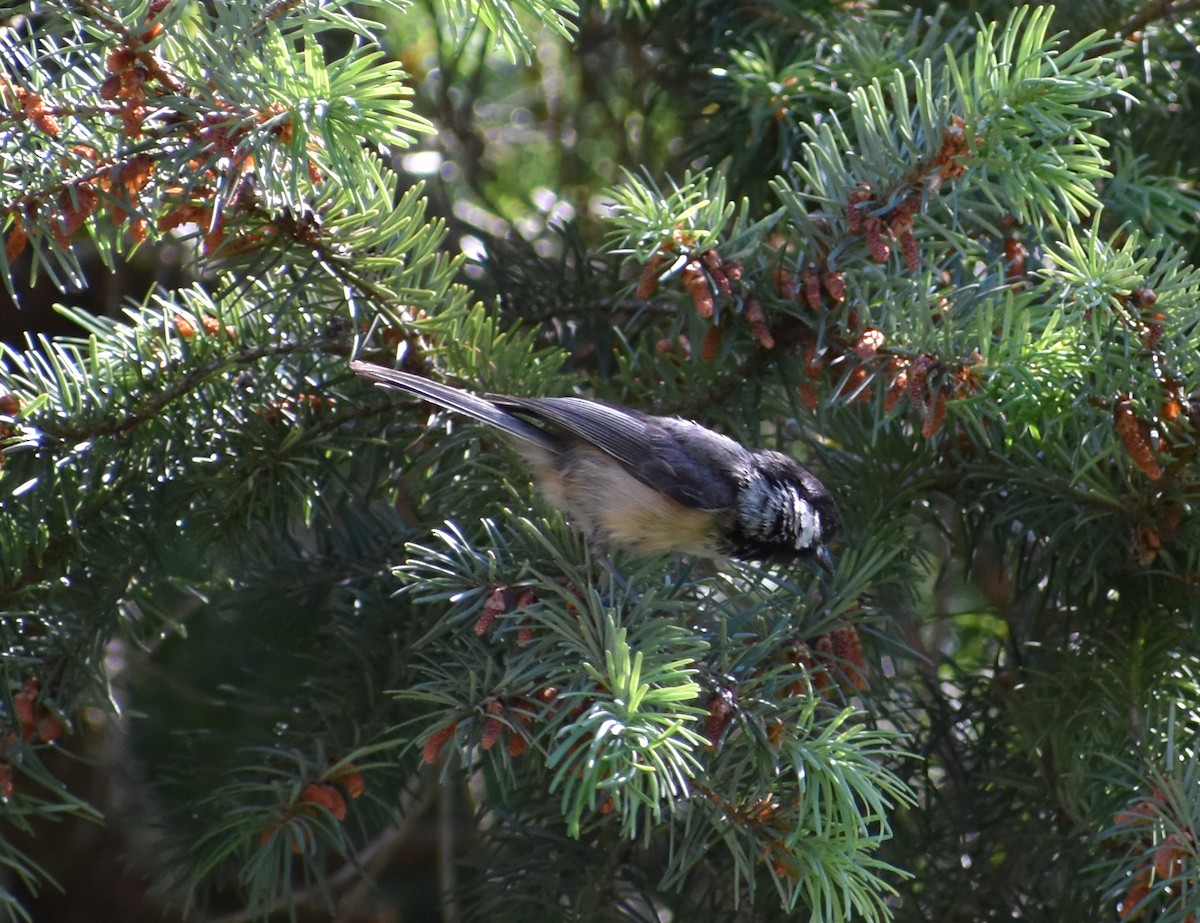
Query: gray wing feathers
{"x": 459, "y": 401}
{"x": 621, "y": 434}
{"x": 682, "y": 460}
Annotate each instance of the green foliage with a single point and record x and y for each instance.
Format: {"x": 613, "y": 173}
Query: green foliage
{"x": 509, "y": 22}
{"x": 946, "y": 262}
{"x": 1153, "y": 837}
{"x": 695, "y": 214}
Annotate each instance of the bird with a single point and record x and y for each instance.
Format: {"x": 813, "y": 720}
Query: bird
{"x": 648, "y": 484}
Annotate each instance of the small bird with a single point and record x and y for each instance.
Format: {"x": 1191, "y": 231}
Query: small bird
{"x": 649, "y": 484}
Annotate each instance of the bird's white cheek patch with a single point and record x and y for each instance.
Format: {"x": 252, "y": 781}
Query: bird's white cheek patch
{"x": 810, "y": 523}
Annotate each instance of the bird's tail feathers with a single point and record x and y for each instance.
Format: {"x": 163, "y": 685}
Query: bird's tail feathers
{"x": 460, "y": 401}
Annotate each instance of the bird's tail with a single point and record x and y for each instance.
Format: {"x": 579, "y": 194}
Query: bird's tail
{"x": 460, "y": 401}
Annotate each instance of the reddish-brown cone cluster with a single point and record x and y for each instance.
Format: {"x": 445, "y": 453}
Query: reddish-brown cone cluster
{"x": 883, "y": 219}
{"x": 23, "y": 103}
{"x": 705, "y": 276}
{"x": 835, "y": 655}
{"x": 850, "y": 355}
{"x": 1170, "y": 436}
{"x": 502, "y": 599}
{"x": 821, "y": 661}
{"x": 186, "y": 326}
{"x": 137, "y": 77}
{"x": 32, "y": 720}
{"x": 1135, "y": 434}
{"x": 1168, "y": 850}
{"x": 771, "y": 820}
{"x": 328, "y": 794}
{"x": 720, "y": 716}
{"x": 500, "y": 717}
{"x": 865, "y": 215}
{"x": 1015, "y": 253}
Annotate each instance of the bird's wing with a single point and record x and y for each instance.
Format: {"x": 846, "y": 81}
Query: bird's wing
{"x": 460, "y": 401}
{"x": 682, "y": 460}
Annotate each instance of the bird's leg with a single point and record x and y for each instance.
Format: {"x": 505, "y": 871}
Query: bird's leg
{"x": 618, "y": 578}
{"x": 599, "y": 549}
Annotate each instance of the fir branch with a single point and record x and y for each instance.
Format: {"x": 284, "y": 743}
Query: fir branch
{"x": 190, "y": 381}
{"x": 348, "y": 887}
{"x": 1151, "y": 13}
{"x": 102, "y": 13}
{"x": 40, "y": 562}
{"x": 948, "y": 318}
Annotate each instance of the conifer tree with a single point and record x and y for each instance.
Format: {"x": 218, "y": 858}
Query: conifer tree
{"x": 278, "y": 644}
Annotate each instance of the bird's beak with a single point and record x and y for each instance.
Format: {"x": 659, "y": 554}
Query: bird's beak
{"x": 824, "y": 559}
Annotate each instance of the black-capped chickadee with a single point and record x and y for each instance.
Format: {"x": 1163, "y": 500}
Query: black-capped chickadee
{"x": 650, "y": 484}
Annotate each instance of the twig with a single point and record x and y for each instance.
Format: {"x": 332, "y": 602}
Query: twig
{"x": 1160, "y": 9}
{"x": 447, "y": 879}
{"x": 371, "y": 859}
